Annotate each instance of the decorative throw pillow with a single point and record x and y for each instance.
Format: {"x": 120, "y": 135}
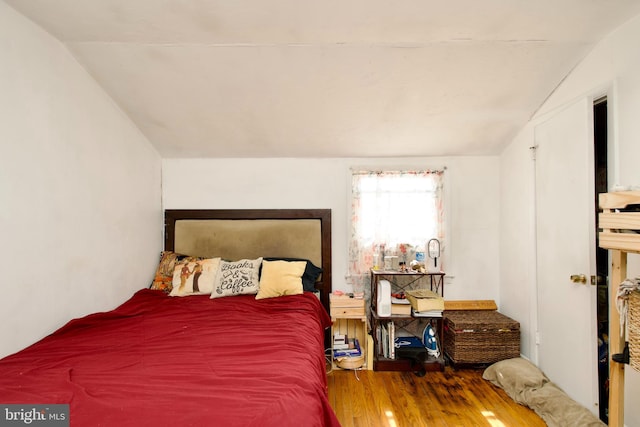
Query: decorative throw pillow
{"x": 237, "y": 278}
{"x": 311, "y": 272}
{"x": 281, "y": 278}
{"x": 163, "y": 279}
{"x": 194, "y": 277}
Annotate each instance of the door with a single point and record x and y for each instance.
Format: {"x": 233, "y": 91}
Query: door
{"x": 567, "y": 346}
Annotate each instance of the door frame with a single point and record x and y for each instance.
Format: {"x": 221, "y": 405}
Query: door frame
{"x": 603, "y": 261}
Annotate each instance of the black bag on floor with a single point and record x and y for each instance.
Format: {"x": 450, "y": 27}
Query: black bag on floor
{"x": 412, "y": 349}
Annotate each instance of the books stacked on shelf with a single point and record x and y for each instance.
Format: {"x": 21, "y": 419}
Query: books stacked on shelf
{"x": 400, "y": 305}
{"x": 386, "y": 339}
{"x": 425, "y": 303}
{"x": 340, "y": 342}
{"x": 427, "y": 313}
{"x": 353, "y": 349}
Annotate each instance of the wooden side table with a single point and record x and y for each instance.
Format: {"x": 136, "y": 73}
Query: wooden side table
{"x": 349, "y": 318}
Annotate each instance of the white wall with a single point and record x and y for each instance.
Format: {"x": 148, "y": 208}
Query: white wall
{"x": 612, "y": 68}
{"x": 81, "y": 214}
{"x": 517, "y": 272}
{"x": 471, "y": 186}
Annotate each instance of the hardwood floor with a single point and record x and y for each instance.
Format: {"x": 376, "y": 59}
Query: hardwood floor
{"x": 401, "y": 399}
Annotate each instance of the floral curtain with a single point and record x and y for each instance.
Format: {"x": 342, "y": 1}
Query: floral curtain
{"x": 393, "y": 213}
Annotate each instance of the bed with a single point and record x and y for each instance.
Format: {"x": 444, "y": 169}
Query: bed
{"x": 180, "y": 356}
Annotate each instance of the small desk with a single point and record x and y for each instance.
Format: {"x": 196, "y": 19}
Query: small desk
{"x": 401, "y": 281}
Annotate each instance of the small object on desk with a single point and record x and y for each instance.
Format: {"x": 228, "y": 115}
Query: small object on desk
{"x": 434, "y": 253}
{"x": 430, "y": 341}
{"x": 398, "y": 296}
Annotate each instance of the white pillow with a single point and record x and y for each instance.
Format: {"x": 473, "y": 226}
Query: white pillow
{"x": 237, "y": 278}
{"x": 194, "y": 277}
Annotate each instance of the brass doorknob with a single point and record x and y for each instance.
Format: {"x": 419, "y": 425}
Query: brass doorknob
{"x": 579, "y": 278}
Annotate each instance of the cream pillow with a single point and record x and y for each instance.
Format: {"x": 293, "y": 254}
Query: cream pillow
{"x": 516, "y": 377}
{"x": 281, "y": 278}
{"x": 194, "y": 277}
{"x": 237, "y": 278}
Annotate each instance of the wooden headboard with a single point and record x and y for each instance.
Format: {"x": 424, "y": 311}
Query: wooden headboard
{"x": 250, "y": 233}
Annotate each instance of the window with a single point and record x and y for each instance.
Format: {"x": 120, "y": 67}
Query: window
{"x": 392, "y": 211}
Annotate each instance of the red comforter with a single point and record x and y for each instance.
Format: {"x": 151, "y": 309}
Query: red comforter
{"x": 191, "y": 361}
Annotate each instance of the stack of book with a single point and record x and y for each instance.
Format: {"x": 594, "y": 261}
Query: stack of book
{"x": 427, "y": 313}
{"x": 386, "y": 338}
{"x": 343, "y": 346}
{"x": 400, "y": 306}
{"x": 425, "y": 303}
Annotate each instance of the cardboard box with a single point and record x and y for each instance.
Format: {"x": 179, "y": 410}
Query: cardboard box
{"x": 425, "y": 300}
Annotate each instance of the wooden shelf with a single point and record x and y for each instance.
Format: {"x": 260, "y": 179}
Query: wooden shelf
{"x": 405, "y": 325}
{"x": 620, "y": 223}
{"x": 349, "y": 318}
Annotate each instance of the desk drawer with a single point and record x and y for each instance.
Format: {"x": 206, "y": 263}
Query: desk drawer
{"x": 347, "y": 311}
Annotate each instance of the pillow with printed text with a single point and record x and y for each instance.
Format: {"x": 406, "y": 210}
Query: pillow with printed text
{"x": 237, "y": 278}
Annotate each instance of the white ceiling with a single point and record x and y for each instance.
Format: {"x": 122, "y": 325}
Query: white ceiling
{"x": 361, "y": 78}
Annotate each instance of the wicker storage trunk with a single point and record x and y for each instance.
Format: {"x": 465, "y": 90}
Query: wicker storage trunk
{"x": 480, "y": 337}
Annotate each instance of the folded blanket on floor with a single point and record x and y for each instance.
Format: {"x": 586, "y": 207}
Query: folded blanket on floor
{"x": 526, "y": 384}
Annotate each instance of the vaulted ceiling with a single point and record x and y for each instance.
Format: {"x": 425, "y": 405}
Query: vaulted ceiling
{"x": 361, "y": 78}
